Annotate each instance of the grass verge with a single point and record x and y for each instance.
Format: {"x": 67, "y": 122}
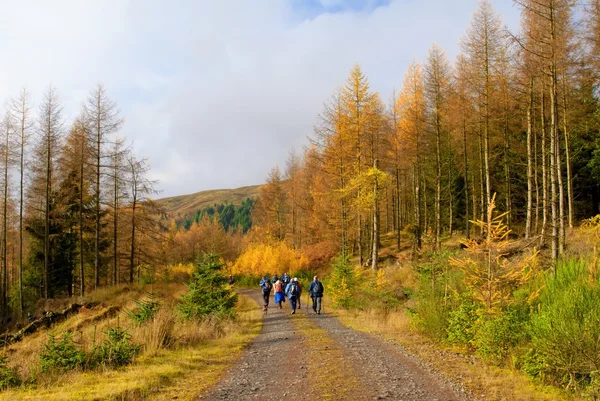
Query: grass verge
{"x": 332, "y": 377}
{"x": 184, "y": 372}
{"x": 483, "y": 380}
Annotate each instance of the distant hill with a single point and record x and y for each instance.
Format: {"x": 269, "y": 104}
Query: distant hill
{"x": 187, "y": 205}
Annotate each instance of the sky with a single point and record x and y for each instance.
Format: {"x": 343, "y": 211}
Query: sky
{"x": 216, "y": 93}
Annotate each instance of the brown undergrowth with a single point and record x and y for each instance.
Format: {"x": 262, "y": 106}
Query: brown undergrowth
{"x": 175, "y": 353}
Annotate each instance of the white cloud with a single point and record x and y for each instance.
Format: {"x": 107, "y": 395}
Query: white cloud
{"x": 216, "y": 92}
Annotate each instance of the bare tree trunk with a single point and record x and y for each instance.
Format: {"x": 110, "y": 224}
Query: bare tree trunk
{"x": 387, "y": 211}
{"x": 561, "y": 192}
{"x": 394, "y": 210}
{"x": 132, "y": 254}
{"x": 450, "y": 203}
{"x": 8, "y": 128}
{"x": 97, "y": 198}
{"x": 507, "y": 165}
{"x": 425, "y": 209}
{"x": 417, "y": 195}
{"x": 553, "y": 176}
{"x": 343, "y": 206}
{"x": 399, "y": 210}
{"x": 486, "y": 127}
{"x": 22, "y": 111}
{"x": 536, "y": 173}
{"x": 81, "y": 260}
{"x": 438, "y": 181}
{"x": 545, "y": 194}
{"x": 481, "y": 182}
{"x": 21, "y": 184}
{"x": 529, "y": 163}
{"x": 554, "y": 143}
{"x": 568, "y": 156}
{"x": 466, "y": 161}
{"x": 47, "y": 219}
{"x": 375, "y": 241}
{"x": 116, "y": 226}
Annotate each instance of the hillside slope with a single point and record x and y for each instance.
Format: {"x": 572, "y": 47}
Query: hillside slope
{"x": 183, "y": 205}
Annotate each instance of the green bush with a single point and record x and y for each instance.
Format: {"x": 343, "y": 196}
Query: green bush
{"x": 247, "y": 281}
{"x": 432, "y": 314}
{"x": 146, "y": 309}
{"x": 461, "y": 323}
{"x": 209, "y": 293}
{"x": 116, "y": 350}
{"x": 564, "y": 330}
{"x": 341, "y": 282}
{"x": 8, "y": 375}
{"x": 497, "y": 335}
{"x": 533, "y": 363}
{"x": 63, "y": 354}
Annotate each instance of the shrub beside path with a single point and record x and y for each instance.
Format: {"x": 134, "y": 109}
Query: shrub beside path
{"x": 310, "y": 357}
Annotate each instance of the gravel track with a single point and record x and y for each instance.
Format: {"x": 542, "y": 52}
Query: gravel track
{"x": 275, "y": 366}
{"x": 387, "y": 371}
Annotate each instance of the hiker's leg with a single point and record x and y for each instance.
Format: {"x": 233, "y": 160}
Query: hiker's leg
{"x": 293, "y": 303}
{"x": 318, "y": 304}
{"x": 314, "y": 303}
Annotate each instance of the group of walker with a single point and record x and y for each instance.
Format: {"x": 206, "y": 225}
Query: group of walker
{"x": 285, "y": 286}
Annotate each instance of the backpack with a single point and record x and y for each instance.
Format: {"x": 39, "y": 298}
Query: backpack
{"x": 277, "y": 287}
{"x": 294, "y": 289}
{"x": 267, "y": 287}
{"x": 318, "y": 288}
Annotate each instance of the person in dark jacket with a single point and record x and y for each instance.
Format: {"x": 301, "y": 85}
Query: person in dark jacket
{"x": 316, "y": 293}
{"x": 285, "y": 279}
{"x": 266, "y": 288}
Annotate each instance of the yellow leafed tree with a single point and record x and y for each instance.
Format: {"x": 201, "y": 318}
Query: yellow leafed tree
{"x": 263, "y": 259}
{"x": 489, "y": 273}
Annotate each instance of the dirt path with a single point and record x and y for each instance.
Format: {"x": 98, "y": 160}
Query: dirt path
{"x": 310, "y": 357}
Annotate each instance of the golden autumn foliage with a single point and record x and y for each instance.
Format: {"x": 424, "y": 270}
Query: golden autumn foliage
{"x": 489, "y": 273}
{"x": 592, "y": 227}
{"x": 263, "y": 259}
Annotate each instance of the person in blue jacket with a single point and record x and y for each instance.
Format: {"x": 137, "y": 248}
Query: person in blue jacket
{"x": 285, "y": 278}
{"x": 316, "y": 293}
{"x": 293, "y": 293}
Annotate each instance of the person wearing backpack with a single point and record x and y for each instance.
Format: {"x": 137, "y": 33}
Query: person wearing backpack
{"x": 266, "y": 288}
{"x": 316, "y": 293}
{"x": 279, "y": 294}
{"x": 293, "y": 292}
{"x": 285, "y": 278}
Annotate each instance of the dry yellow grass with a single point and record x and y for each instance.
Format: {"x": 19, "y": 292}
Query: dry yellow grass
{"x": 333, "y": 377}
{"x": 186, "y": 367}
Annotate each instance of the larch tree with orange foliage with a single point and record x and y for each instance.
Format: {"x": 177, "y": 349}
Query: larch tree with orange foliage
{"x": 437, "y": 75}
{"x": 411, "y": 106}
